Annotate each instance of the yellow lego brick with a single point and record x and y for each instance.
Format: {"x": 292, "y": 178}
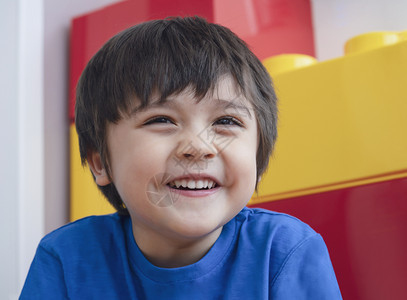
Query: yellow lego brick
{"x": 86, "y": 199}
{"x": 371, "y": 40}
{"x": 287, "y": 62}
{"x": 343, "y": 123}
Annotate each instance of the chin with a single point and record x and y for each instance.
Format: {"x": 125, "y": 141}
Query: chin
{"x": 197, "y": 230}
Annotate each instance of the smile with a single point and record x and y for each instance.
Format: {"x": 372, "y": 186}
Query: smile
{"x": 189, "y": 184}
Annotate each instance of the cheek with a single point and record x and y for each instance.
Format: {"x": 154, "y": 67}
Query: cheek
{"x": 251, "y": 161}
{"x": 251, "y": 171}
{"x": 134, "y": 171}
{"x": 242, "y": 163}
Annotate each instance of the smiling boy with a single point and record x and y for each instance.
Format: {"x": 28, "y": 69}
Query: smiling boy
{"x": 176, "y": 119}
{"x": 155, "y": 154}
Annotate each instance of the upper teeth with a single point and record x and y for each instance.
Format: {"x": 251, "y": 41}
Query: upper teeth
{"x": 193, "y": 184}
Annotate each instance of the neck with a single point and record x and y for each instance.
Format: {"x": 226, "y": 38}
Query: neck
{"x": 166, "y": 252}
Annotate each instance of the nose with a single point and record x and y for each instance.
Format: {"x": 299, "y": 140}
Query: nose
{"x": 195, "y": 148}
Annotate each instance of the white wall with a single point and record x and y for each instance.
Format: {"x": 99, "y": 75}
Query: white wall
{"x": 21, "y": 128}
{"x": 335, "y": 21}
{"x": 33, "y": 128}
{"x": 57, "y": 21}
{"x": 9, "y": 146}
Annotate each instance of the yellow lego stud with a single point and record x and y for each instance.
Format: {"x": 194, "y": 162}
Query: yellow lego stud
{"x": 371, "y": 40}
{"x": 403, "y": 35}
{"x": 287, "y": 62}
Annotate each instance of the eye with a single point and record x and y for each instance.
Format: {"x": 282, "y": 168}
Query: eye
{"x": 159, "y": 120}
{"x": 228, "y": 121}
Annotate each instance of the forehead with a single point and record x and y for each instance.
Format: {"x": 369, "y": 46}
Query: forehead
{"x": 227, "y": 88}
{"x": 225, "y": 94}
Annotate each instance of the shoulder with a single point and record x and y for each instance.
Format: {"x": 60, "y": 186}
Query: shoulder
{"x": 87, "y": 231}
{"x": 297, "y": 258}
{"x": 264, "y": 221}
{"x": 276, "y": 232}
{"x": 274, "y": 236}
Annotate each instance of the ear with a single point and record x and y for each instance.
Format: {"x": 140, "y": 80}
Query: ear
{"x": 97, "y": 168}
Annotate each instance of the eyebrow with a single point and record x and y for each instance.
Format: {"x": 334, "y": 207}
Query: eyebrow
{"x": 236, "y": 106}
{"x": 154, "y": 104}
{"x": 223, "y": 103}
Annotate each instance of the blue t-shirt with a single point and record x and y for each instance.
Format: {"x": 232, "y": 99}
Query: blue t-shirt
{"x": 259, "y": 255}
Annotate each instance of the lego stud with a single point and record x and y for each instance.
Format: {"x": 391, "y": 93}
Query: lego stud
{"x": 403, "y": 35}
{"x": 370, "y": 41}
{"x": 287, "y": 62}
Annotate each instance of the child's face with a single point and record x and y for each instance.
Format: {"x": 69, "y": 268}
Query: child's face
{"x": 209, "y": 147}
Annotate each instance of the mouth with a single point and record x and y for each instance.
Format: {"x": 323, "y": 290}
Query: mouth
{"x": 191, "y": 184}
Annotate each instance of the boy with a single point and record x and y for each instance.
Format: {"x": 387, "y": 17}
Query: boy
{"x": 177, "y": 119}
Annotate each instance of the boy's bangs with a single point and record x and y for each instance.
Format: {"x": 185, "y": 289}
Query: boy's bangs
{"x": 173, "y": 58}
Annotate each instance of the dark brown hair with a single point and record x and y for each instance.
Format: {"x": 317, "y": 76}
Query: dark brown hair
{"x": 165, "y": 57}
